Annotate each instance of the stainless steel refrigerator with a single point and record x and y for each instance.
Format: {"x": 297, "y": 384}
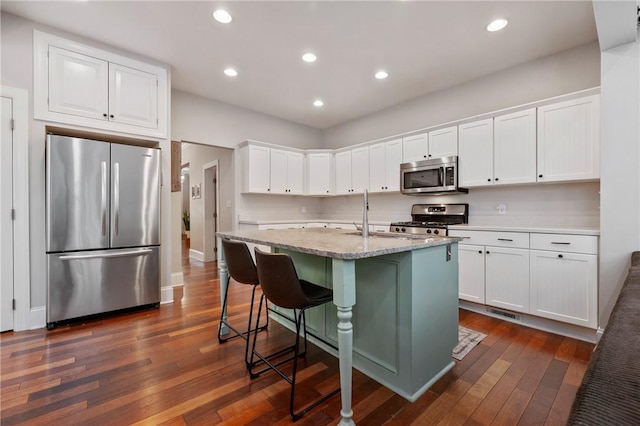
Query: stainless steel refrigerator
{"x": 103, "y": 227}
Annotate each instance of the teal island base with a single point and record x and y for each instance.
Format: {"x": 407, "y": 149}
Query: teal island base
{"x": 405, "y": 319}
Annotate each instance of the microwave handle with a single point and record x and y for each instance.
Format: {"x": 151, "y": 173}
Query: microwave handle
{"x": 442, "y": 176}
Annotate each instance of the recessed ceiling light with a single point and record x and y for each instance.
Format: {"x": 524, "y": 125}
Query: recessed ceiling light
{"x": 222, "y": 16}
{"x": 318, "y": 103}
{"x": 497, "y": 25}
{"x": 309, "y": 57}
{"x": 381, "y": 75}
{"x": 231, "y": 72}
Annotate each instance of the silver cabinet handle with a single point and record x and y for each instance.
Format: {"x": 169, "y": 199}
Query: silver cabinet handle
{"x": 107, "y": 255}
{"x": 116, "y": 197}
{"x": 560, "y": 243}
{"x": 505, "y": 239}
{"x": 103, "y": 200}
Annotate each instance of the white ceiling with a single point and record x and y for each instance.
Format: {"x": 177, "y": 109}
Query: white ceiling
{"x": 424, "y": 45}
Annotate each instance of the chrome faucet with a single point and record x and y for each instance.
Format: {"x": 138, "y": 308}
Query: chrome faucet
{"x": 365, "y": 215}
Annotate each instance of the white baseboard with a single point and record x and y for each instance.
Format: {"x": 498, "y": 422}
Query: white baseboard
{"x": 197, "y": 255}
{"x": 177, "y": 278}
{"x": 599, "y": 334}
{"x": 37, "y": 317}
{"x": 166, "y": 294}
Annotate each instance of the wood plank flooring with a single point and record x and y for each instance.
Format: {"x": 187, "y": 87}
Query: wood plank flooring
{"x": 165, "y": 367}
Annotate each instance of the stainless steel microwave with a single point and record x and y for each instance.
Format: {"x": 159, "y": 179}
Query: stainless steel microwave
{"x": 430, "y": 177}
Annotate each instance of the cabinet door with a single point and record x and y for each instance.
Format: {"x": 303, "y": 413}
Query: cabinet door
{"x": 343, "y": 172}
{"x": 377, "y": 168}
{"x": 78, "y": 84}
{"x": 568, "y": 140}
{"x": 278, "y": 171}
{"x": 319, "y": 170}
{"x": 295, "y": 172}
{"x": 443, "y": 142}
{"x": 564, "y": 287}
{"x": 393, "y": 158}
{"x": 507, "y": 278}
{"x": 258, "y": 170}
{"x": 475, "y": 144}
{"x": 514, "y": 148}
{"x": 415, "y": 148}
{"x": 471, "y": 273}
{"x": 360, "y": 169}
{"x": 133, "y": 96}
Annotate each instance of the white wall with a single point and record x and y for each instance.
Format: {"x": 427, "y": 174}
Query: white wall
{"x": 619, "y": 170}
{"x": 569, "y": 71}
{"x": 17, "y": 71}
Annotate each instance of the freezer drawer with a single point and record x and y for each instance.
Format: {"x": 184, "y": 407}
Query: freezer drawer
{"x": 86, "y": 283}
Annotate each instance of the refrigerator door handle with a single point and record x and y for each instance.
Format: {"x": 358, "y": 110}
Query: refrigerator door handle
{"x": 116, "y": 196}
{"x": 104, "y": 198}
{"x": 106, "y": 255}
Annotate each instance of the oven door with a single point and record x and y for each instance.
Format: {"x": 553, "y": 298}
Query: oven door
{"x": 422, "y": 179}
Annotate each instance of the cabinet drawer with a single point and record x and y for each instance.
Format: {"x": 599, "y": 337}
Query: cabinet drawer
{"x": 587, "y": 244}
{"x": 490, "y": 238}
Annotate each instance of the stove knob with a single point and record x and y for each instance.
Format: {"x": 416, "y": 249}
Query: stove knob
{"x": 436, "y": 232}
{"x": 403, "y": 230}
{"x": 397, "y": 229}
{"x": 428, "y": 231}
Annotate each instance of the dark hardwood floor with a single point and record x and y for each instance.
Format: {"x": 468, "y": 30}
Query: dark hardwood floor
{"x": 165, "y": 367}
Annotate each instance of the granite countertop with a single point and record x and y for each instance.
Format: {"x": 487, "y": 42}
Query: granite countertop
{"x": 576, "y": 230}
{"x": 334, "y": 243}
{"x": 270, "y": 222}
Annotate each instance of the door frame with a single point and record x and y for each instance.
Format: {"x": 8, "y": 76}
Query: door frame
{"x": 21, "y": 244}
{"x": 210, "y": 206}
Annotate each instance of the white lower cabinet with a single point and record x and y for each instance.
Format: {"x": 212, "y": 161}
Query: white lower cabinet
{"x": 507, "y": 278}
{"x": 554, "y": 276}
{"x": 564, "y": 283}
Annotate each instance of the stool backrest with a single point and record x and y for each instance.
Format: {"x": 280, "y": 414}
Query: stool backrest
{"x": 279, "y": 280}
{"x": 239, "y": 262}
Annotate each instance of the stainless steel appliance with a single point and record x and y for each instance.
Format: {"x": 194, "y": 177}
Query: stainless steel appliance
{"x": 103, "y": 227}
{"x": 432, "y": 219}
{"x": 430, "y": 177}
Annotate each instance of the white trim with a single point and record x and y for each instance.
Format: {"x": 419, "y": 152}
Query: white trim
{"x": 209, "y": 255}
{"x": 177, "y": 279}
{"x": 37, "y": 318}
{"x": 197, "y": 255}
{"x": 166, "y": 295}
{"x": 21, "y": 272}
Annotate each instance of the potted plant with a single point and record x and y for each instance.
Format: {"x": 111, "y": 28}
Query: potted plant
{"x": 186, "y": 219}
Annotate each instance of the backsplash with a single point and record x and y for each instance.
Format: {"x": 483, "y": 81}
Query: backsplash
{"x": 562, "y": 205}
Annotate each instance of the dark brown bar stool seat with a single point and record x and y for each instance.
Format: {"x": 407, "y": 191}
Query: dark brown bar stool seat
{"x": 281, "y": 286}
{"x": 242, "y": 269}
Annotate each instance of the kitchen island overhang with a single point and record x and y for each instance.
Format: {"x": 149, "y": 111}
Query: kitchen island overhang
{"x": 405, "y": 326}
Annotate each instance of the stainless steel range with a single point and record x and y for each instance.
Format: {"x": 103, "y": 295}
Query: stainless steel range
{"x": 432, "y": 219}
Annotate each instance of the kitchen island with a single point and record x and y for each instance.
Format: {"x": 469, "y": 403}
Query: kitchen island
{"x": 405, "y": 324}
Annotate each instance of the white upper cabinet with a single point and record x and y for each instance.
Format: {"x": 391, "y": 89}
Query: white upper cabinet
{"x": 80, "y": 85}
{"x": 352, "y": 171}
{"x": 568, "y": 140}
{"x": 514, "y": 148}
{"x": 384, "y": 166}
{"x": 434, "y": 144}
{"x": 78, "y": 88}
{"x": 319, "y": 173}
{"x": 273, "y": 171}
{"x": 475, "y": 163}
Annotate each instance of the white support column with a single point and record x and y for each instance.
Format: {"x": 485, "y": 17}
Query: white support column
{"x": 344, "y": 297}
{"x": 224, "y": 280}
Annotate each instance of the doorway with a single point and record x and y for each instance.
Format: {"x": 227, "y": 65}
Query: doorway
{"x": 14, "y": 211}
{"x": 210, "y": 213}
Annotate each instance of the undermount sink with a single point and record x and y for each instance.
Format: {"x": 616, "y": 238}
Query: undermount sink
{"x": 391, "y": 235}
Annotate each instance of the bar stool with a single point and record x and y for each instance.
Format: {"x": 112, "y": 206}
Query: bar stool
{"x": 242, "y": 269}
{"x": 281, "y": 286}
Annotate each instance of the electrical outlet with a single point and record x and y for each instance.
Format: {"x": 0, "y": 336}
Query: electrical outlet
{"x": 502, "y": 208}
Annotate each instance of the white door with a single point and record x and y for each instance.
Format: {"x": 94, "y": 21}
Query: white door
{"x": 6, "y": 222}
{"x": 471, "y": 273}
{"x": 475, "y": 145}
{"x": 393, "y": 158}
{"x": 514, "y": 148}
{"x": 415, "y": 148}
{"x": 78, "y": 84}
{"x": 259, "y": 170}
{"x": 360, "y": 169}
{"x": 377, "y": 173}
{"x": 319, "y": 171}
{"x": 295, "y": 172}
{"x": 278, "y": 167}
{"x": 343, "y": 173}
{"x": 133, "y": 97}
{"x": 507, "y": 278}
{"x": 443, "y": 142}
